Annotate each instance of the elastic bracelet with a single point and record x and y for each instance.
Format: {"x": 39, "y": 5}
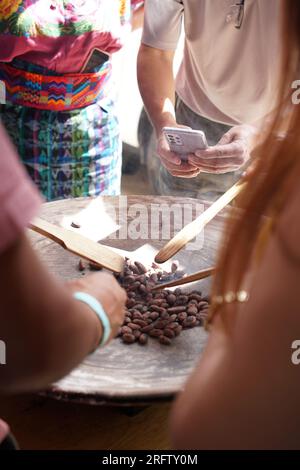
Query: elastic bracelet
{"x": 95, "y": 305}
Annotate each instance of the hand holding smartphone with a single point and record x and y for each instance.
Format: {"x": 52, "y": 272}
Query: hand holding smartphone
{"x": 184, "y": 141}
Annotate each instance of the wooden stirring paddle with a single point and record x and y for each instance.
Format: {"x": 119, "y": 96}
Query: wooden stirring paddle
{"x": 194, "y": 228}
{"x": 80, "y": 245}
{"x": 187, "y": 279}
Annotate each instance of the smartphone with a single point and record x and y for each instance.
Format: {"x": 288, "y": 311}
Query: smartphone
{"x": 94, "y": 61}
{"x": 185, "y": 141}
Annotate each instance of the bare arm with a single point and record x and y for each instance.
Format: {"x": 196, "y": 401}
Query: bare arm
{"x": 245, "y": 391}
{"x": 46, "y": 331}
{"x": 157, "y": 87}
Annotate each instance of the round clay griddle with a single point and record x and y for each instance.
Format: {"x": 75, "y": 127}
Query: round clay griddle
{"x": 129, "y": 374}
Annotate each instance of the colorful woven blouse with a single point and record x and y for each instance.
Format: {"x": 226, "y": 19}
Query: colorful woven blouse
{"x": 60, "y": 34}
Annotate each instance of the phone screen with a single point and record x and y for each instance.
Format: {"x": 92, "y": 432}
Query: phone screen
{"x": 95, "y": 60}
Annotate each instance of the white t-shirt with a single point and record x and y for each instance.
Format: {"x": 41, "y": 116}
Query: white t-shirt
{"x": 227, "y": 75}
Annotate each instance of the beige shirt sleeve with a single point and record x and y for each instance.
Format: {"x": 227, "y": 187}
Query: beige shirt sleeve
{"x": 162, "y": 23}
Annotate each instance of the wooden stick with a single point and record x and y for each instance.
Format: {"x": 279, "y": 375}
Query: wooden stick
{"x": 80, "y": 245}
{"x": 194, "y": 228}
{"x": 187, "y": 279}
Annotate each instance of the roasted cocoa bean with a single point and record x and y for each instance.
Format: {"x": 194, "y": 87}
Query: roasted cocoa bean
{"x": 169, "y": 333}
{"x": 173, "y": 317}
{"x": 143, "y": 339}
{"x": 139, "y": 322}
{"x": 134, "y": 326}
{"x": 164, "y": 340}
{"x": 143, "y": 289}
{"x": 130, "y": 303}
{"x": 155, "y": 333}
{"x": 203, "y": 305}
{"x": 129, "y": 279}
{"x": 195, "y": 297}
{"x": 126, "y": 330}
{"x": 147, "y": 329}
{"x": 174, "y": 266}
{"x": 154, "y": 315}
{"x": 192, "y": 310}
{"x": 137, "y": 333}
{"x": 137, "y": 314}
{"x": 81, "y": 265}
{"x": 182, "y": 316}
{"x": 154, "y": 278}
{"x": 160, "y": 324}
{"x": 189, "y": 322}
{"x": 178, "y": 309}
{"x": 129, "y": 339}
{"x": 182, "y": 300}
{"x": 173, "y": 325}
{"x": 171, "y": 298}
{"x": 164, "y": 315}
{"x": 178, "y": 330}
{"x": 156, "y": 308}
{"x": 157, "y": 302}
{"x": 141, "y": 268}
{"x": 139, "y": 307}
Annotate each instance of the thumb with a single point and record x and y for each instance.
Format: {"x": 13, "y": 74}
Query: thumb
{"x": 226, "y": 139}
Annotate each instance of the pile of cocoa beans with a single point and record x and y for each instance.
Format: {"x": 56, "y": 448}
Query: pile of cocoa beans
{"x": 158, "y": 314}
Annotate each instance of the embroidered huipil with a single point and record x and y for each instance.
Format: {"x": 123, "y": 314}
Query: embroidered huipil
{"x": 67, "y": 152}
{"x": 60, "y": 34}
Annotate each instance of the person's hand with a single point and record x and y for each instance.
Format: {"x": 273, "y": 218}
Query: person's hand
{"x": 172, "y": 161}
{"x": 107, "y": 291}
{"x": 230, "y": 154}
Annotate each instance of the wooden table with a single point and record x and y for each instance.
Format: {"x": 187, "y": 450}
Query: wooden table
{"x": 43, "y": 423}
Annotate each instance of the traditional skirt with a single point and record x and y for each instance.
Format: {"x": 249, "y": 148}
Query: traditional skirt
{"x": 69, "y": 153}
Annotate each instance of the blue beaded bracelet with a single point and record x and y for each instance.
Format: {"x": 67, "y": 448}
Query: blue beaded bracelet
{"x": 96, "y": 306}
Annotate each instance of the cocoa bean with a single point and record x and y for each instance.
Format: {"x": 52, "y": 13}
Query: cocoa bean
{"x": 195, "y": 297}
{"x": 143, "y": 339}
{"x": 171, "y": 298}
{"x": 136, "y": 315}
{"x": 147, "y": 329}
{"x": 129, "y": 339}
{"x": 139, "y": 322}
{"x": 141, "y": 268}
{"x": 126, "y": 330}
{"x": 137, "y": 333}
{"x": 154, "y": 315}
{"x": 192, "y": 310}
{"x": 169, "y": 333}
{"x": 182, "y": 316}
{"x": 81, "y": 265}
{"x": 177, "y": 309}
{"x": 134, "y": 326}
{"x": 155, "y": 333}
{"x": 164, "y": 340}
{"x": 174, "y": 266}
{"x": 178, "y": 330}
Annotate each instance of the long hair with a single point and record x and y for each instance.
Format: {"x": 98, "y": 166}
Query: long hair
{"x": 276, "y": 168}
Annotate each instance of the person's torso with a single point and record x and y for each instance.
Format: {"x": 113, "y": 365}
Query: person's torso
{"x": 229, "y": 74}
{"x": 60, "y": 34}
